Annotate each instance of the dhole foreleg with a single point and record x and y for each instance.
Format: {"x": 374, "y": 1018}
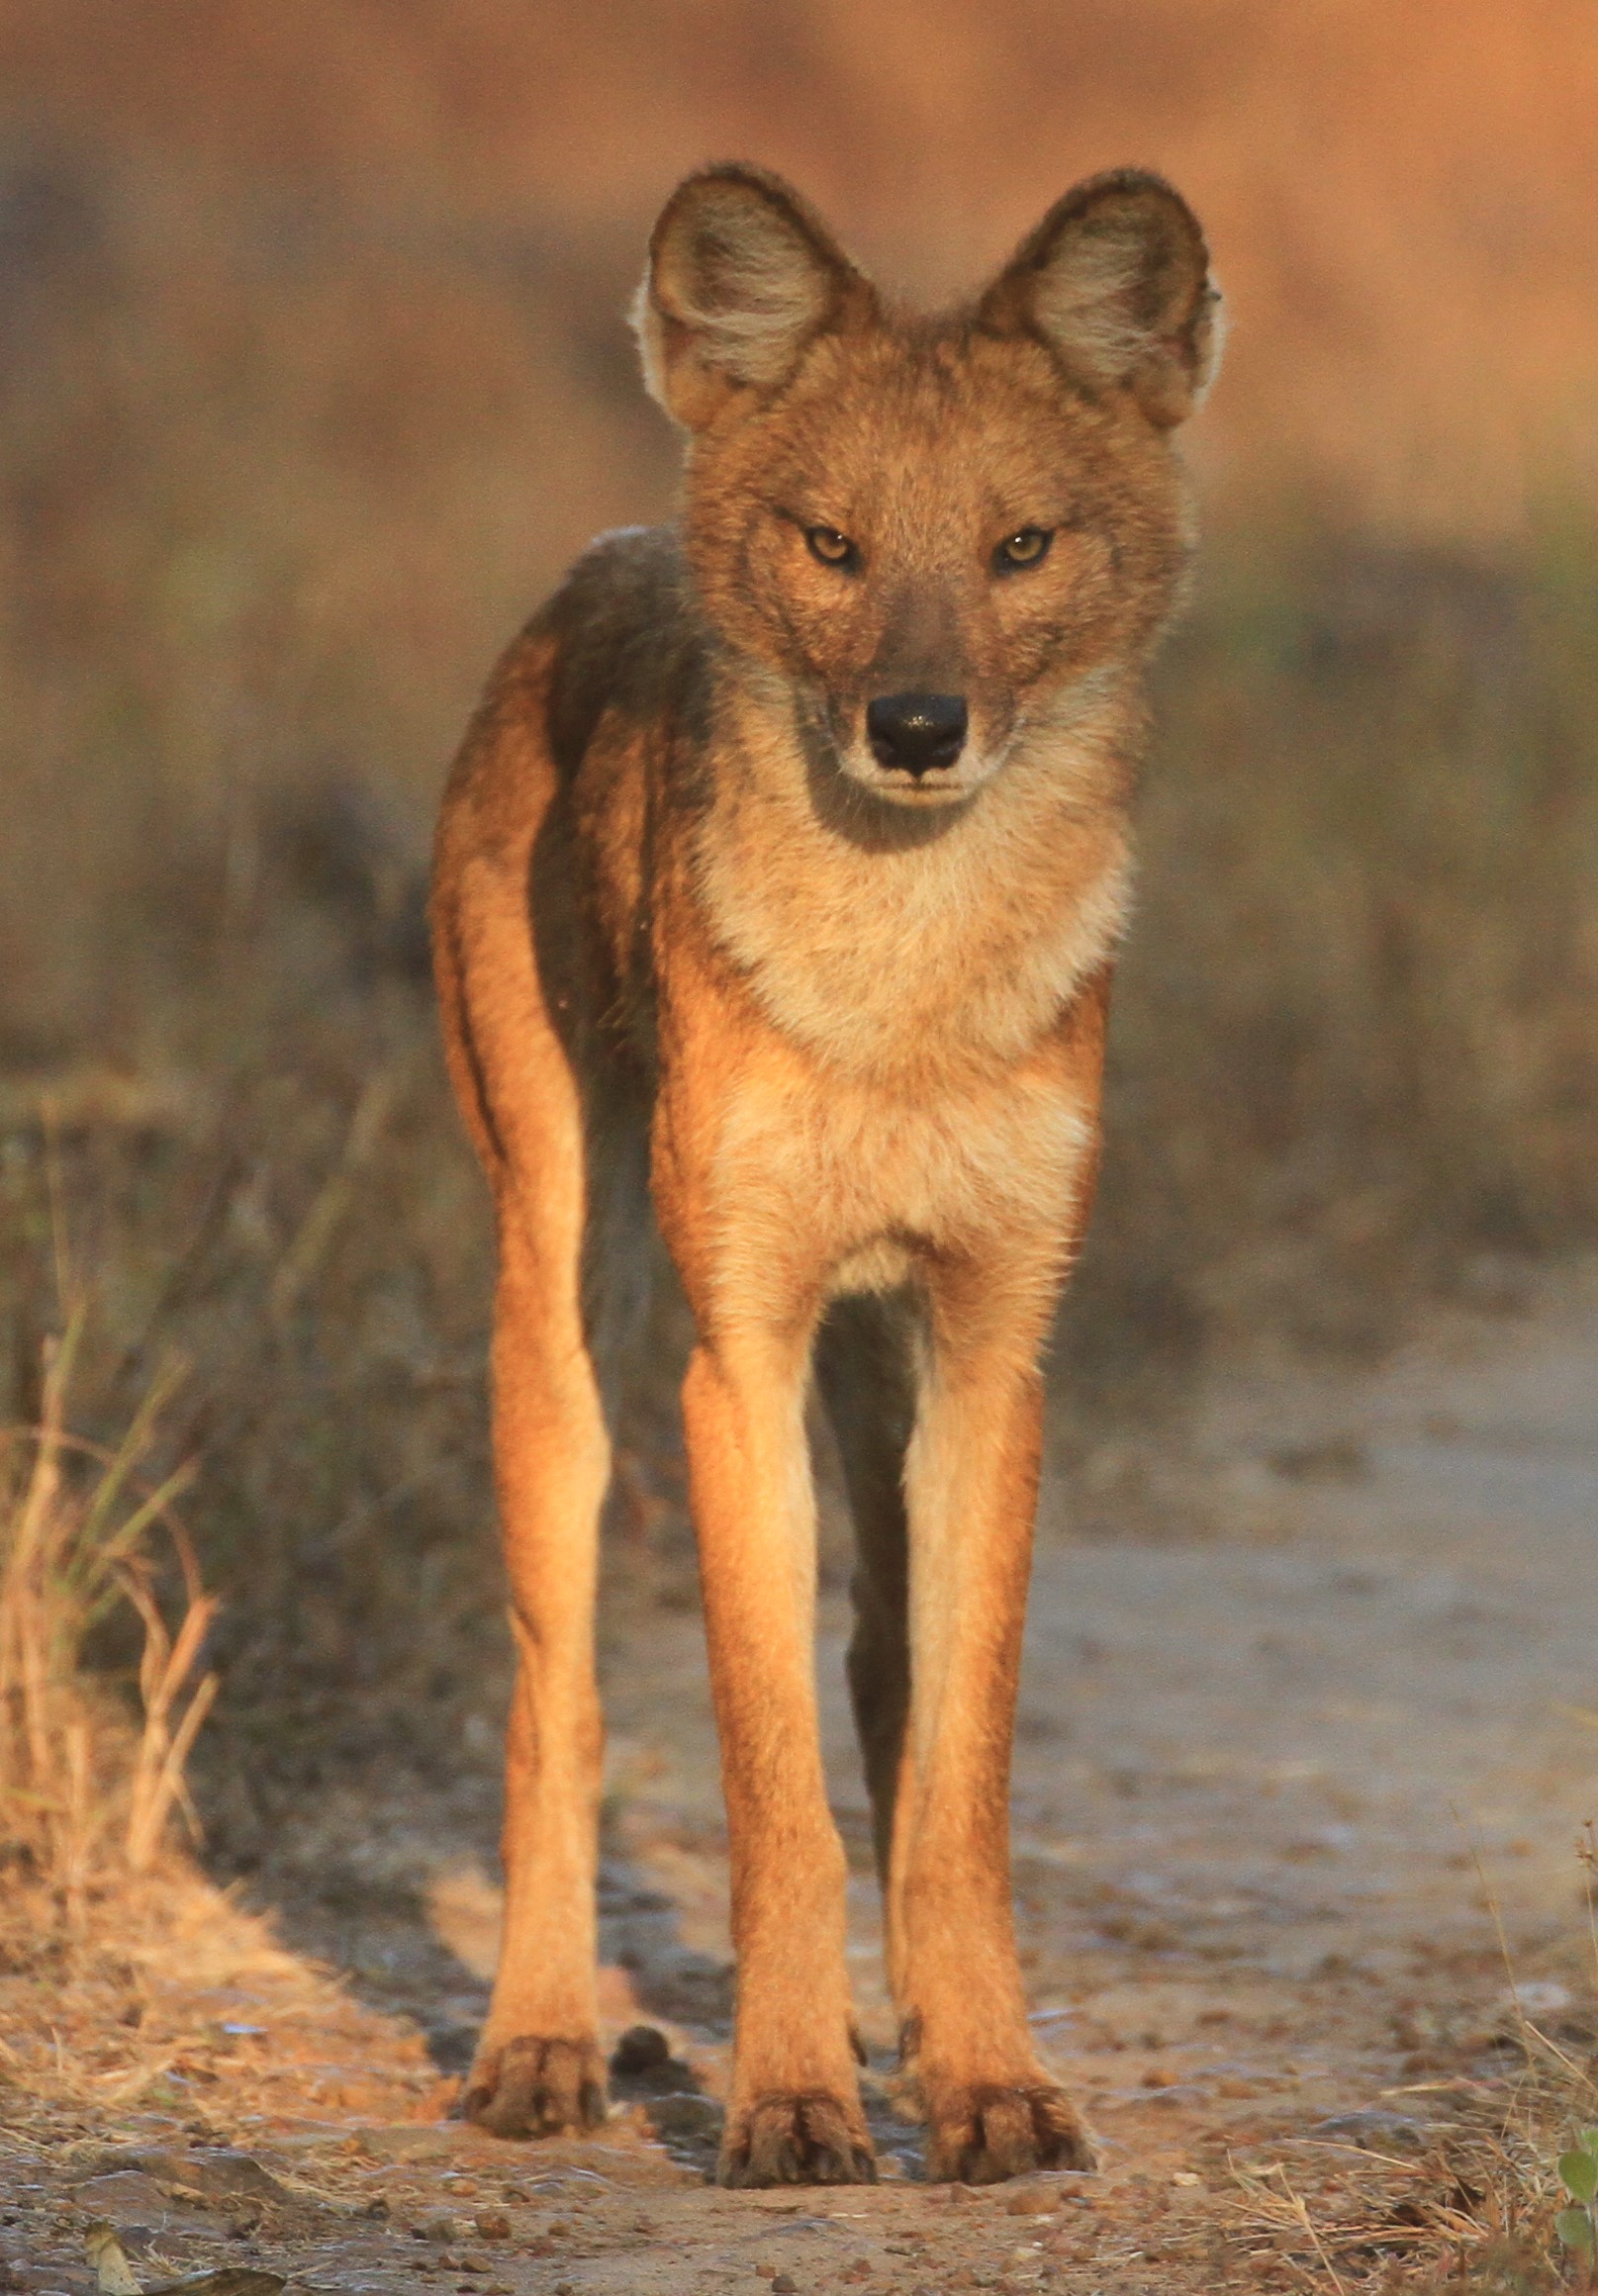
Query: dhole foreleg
{"x": 971, "y": 1477}
{"x": 537, "y": 2067}
{"x": 795, "y": 2114}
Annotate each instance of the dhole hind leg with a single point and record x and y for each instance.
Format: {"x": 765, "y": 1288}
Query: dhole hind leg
{"x": 866, "y": 1376}
{"x": 972, "y": 1479}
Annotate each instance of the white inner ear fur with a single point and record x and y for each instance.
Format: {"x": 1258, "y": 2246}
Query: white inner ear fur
{"x": 1085, "y": 301}
{"x": 741, "y": 282}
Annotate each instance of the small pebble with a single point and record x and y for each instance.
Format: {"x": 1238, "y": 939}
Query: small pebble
{"x": 643, "y": 2048}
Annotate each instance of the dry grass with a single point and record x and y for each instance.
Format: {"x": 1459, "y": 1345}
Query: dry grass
{"x": 87, "y": 1794}
{"x": 1462, "y": 2188}
{"x": 150, "y": 2016}
{"x": 1475, "y": 2211}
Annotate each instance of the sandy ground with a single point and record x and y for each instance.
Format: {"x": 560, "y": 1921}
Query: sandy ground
{"x": 1264, "y": 1787}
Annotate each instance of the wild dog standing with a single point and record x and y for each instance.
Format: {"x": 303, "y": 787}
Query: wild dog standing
{"x": 781, "y": 876}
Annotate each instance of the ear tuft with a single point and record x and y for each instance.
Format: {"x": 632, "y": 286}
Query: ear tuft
{"x": 741, "y": 277}
{"x": 1115, "y": 280}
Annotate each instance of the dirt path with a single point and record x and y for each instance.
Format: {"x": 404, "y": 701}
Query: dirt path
{"x": 1255, "y": 1779}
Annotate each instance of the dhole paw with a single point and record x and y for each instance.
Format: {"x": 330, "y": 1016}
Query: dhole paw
{"x": 796, "y": 2140}
{"x": 980, "y": 2136}
{"x": 532, "y": 2088}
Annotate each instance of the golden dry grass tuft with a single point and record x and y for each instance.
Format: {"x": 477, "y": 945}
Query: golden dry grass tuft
{"x": 1458, "y": 2182}
{"x": 1475, "y": 2211}
{"x": 155, "y": 2015}
{"x": 87, "y": 1789}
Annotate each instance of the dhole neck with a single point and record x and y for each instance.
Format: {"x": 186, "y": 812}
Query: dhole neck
{"x": 960, "y": 940}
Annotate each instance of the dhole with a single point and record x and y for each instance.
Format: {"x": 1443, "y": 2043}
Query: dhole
{"x": 780, "y": 880}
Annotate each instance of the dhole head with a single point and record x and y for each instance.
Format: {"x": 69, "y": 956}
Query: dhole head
{"x": 946, "y": 535}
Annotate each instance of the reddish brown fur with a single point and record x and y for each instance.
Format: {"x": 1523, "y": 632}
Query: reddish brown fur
{"x": 844, "y": 1022}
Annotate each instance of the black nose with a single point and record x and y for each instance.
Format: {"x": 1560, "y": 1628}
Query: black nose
{"x": 916, "y": 730}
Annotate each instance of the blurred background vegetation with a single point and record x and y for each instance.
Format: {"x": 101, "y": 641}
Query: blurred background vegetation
{"x": 314, "y": 377}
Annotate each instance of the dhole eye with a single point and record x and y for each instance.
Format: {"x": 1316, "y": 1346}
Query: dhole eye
{"x": 1027, "y": 546}
{"x": 831, "y": 547}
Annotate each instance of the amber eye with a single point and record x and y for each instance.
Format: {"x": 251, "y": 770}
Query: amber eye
{"x": 1027, "y": 546}
{"x": 831, "y": 547}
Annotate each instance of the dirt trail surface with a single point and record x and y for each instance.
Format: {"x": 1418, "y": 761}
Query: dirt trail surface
{"x": 1259, "y": 1783}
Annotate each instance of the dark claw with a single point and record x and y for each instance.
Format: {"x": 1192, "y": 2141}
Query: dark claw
{"x": 998, "y": 2133}
{"x": 533, "y": 2087}
{"x": 798, "y": 2140}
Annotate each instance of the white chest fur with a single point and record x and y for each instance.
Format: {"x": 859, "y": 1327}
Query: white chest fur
{"x": 945, "y": 954}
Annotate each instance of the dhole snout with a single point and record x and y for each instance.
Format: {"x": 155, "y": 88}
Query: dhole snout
{"x": 779, "y": 887}
{"x": 916, "y": 733}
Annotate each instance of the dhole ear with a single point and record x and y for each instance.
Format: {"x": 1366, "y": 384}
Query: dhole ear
{"x": 741, "y": 277}
{"x": 1115, "y": 280}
